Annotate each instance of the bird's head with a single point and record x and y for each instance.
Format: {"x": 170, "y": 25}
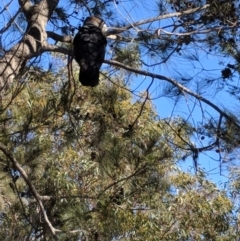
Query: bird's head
{"x": 96, "y": 21}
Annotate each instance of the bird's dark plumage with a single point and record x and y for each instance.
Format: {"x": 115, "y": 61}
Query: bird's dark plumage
{"x": 89, "y": 50}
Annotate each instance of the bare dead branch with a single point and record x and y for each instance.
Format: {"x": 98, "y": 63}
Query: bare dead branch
{"x": 150, "y": 20}
{"x": 200, "y": 31}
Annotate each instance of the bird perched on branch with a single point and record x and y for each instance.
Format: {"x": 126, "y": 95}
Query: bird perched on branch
{"x": 89, "y": 50}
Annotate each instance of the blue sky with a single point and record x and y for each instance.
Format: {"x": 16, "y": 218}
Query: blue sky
{"x": 210, "y": 63}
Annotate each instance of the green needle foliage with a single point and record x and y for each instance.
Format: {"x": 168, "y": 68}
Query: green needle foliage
{"x": 104, "y": 172}
{"x": 99, "y": 164}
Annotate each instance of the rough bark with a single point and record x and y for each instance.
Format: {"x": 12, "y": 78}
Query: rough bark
{"x": 33, "y": 42}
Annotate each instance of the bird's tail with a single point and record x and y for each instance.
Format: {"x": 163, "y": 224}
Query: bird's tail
{"x": 89, "y": 77}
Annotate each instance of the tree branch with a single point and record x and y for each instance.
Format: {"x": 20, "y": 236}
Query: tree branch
{"x": 196, "y": 32}
{"x": 26, "y": 7}
{"x": 24, "y": 175}
{"x": 54, "y": 48}
{"x": 175, "y": 83}
{"x": 69, "y": 39}
{"x": 136, "y": 172}
{"x": 150, "y": 20}
{"x": 57, "y": 37}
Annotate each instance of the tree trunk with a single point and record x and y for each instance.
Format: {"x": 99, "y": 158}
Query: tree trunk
{"x": 31, "y": 43}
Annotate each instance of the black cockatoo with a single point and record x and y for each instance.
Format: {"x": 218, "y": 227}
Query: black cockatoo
{"x": 89, "y": 50}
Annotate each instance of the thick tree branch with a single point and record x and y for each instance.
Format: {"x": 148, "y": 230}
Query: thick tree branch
{"x": 49, "y": 48}
{"x": 57, "y": 37}
{"x": 51, "y": 5}
{"x": 26, "y": 6}
{"x": 175, "y": 83}
{"x": 32, "y": 42}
